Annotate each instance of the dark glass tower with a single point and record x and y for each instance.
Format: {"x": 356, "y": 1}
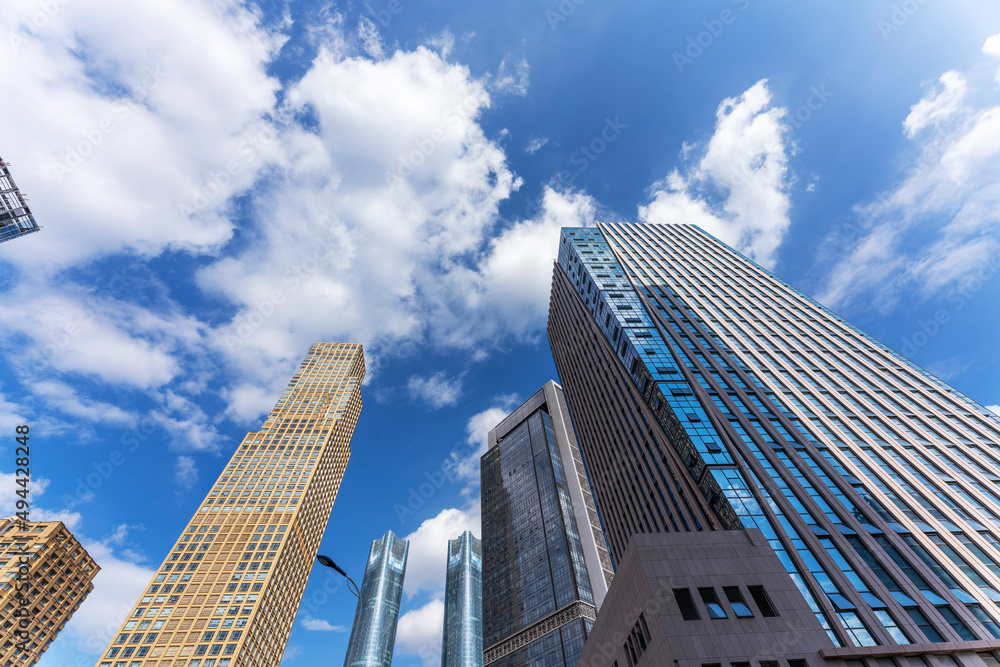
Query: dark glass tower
{"x": 15, "y": 216}
{"x": 545, "y": 561}
{"x": 373, "y": 635}
{"x": 463, "y": 604}
{"x": 710, "y": 395}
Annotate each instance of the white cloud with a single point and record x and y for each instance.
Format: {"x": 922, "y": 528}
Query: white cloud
{"x": 372, "y": 217}
{"x": 427, "y": 560}
{"x": 319, "y": 625}
{"x": 291, "y": 651}
{"x": 119, "y": 583}
{"x": 992, "y": 47}
{"x": 37, "y": 487}
{"x": 384, "y": 211}
{"x": 939, "y": 228}
{"x": 995, "y": 409}
{"x": 65, "y": 398}
{"x": 443, "y": 43}
{"x": 515, "y": 274}
{"x": 11, "y": 414}
{"x": 370, "y": 38}
{"x": 465, "y": 464}
{"x": 438, "y": 390}
{"x": 119, "y": 536}
{"x": 419, "y": 632}
{"x": 73, "y": 332}
{"x": 120, "y": 121}
{"x": 187, "y": 472}
{"x": 535, "y": 144}
{"x": 738, "y": 191}
{"x": 514, "y": 82}
{"x": 935, "y": 108}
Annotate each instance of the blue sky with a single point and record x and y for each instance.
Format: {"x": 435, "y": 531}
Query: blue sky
{"x": 220, "y": 185}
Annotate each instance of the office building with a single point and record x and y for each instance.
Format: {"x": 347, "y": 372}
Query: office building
{"x": 373, "y": 635}
{"x": 44, "y": 577}
{"x": 15, "y": 216}
{"x": 708, "y": 395}
{"x": 545, "y": 561}
{"x": 462, "y": 645}
{"x": 228, "y": 591}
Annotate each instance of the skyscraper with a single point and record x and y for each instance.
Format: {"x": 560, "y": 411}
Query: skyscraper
{"x": 15, "y": 216}
{"x": 57, "y": 579}
{"x": 707, "y": 395}
{"x": 373, "y": 635}
{"x": 228, "y": 591}
{"x": 462, "y": 645}
{"x": 545, "y": 561}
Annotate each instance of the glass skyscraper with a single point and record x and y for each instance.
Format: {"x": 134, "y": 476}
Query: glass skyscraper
{"x": 545, "y": 560}
{"x": 462, "y": 645}
{"x": 710, "y": 395}
{"x": 227, "y": 593}
{"x": 373, "y": 635}
{"x": 15, "y": 216}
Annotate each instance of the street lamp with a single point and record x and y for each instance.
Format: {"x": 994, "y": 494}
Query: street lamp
{"x": 351, "y": 586}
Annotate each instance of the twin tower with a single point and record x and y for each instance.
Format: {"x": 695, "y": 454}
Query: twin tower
{"x": 373, "y": 634}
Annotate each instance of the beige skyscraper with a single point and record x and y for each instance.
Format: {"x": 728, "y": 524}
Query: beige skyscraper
{"x": 58, "y": 578}
{"x": 227, "y": 593}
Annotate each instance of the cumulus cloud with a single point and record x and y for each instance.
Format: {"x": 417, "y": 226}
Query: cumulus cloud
{"x": 68, "y": 400}
{"x": 119, "y": 583}
{"x": 419, "y": 632}
{"x": 936, "y": 107}
{"x": 939, "y": 228}
{"x": 319, "y": 625}
{"x": 11, "y": 414}
{"x": 992, "y": 47}
{"x": 186, "y": 473}
{"x": 995, "y": 409}
{"x": 99, "y": 98}
{"x": 38, "y": 485}
{"x": 370, "y": 38}
{"x": 512, "y": 79}
{"x": 108, "y": 339}
{"x": 738, "y": 189}
{"x": 374, "y": 215}
{"x": 464, "y": 464}
{"x": 427, "y": 560}
{"x": 535, "y": 144}
{"x": 514, "y": 278}
{"x": 375, "y": 195}
{"x": 438, "y": 390}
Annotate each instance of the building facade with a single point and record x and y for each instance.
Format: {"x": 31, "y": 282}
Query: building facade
{"x": 462, "y": 645}
{"x": 15, "y": 216}
{"x": 45, "y": 574}
{"x": 710, "y": 395}
{"x": 545, "y": 561}
{"x": 373, "y": 635}
{"x": 228, "y": 591}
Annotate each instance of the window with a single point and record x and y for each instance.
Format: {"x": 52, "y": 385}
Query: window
{"x": 711, "y": 600}
{"x": 735, "y": 598}
{"x": 957, "y": 625}
{"x": 686, "y": 604}
{"x": 925, "y": 625}
{"x": 762, "y": 601}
